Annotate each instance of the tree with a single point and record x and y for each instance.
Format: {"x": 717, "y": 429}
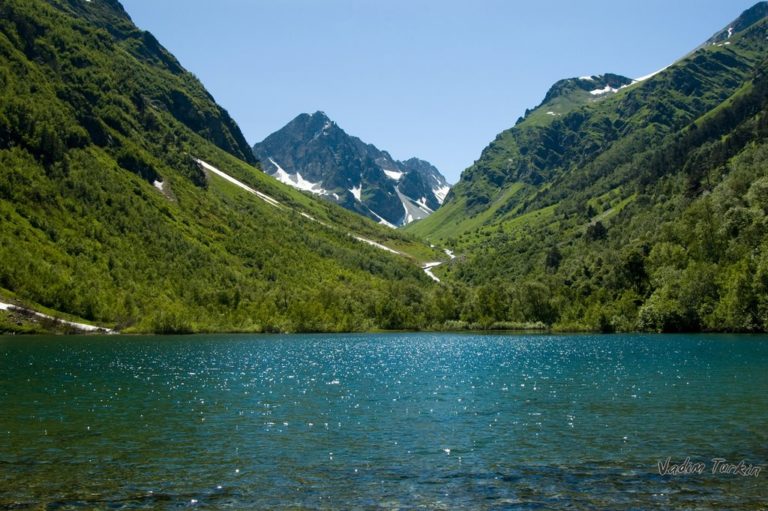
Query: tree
{"x": 596, "y": 231}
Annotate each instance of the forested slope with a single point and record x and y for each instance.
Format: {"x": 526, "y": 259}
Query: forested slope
{"x": 643, "y": 208}
{"x": 106, "y": 214}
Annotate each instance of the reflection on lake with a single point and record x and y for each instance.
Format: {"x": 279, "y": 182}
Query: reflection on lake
{"x": 437, "y": 421}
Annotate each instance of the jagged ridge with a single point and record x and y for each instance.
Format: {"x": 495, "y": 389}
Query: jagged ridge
{"x": 314, "y": 154}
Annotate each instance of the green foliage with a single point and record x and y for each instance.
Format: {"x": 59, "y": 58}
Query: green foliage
{"x": 94, "y": 112}
{"x": 596, "y": 146}
{"x": 646, "y": 210}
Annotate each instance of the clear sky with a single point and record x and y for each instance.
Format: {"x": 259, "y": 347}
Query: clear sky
{"x": 435, "y": 79}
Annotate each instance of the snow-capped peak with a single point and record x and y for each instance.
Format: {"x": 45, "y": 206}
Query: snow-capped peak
{"x": 315, "y": 148}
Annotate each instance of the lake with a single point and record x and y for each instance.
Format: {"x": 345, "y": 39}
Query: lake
{"x": 390, "y": 421}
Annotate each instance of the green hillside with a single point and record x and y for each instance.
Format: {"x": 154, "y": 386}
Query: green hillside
{"x": 595, "y": 140}
{"x": 129, "y": 199}
{"x": 641, "y": 210}
{"x": 107, "y": 217}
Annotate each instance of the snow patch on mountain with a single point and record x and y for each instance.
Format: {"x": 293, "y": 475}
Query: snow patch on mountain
{"x": 357, "y": 192}
{"x": 263, "y": 196}
{"x": 382, "y": 220}
{"x": 80, "y": 326}
{"x": 323, "y": 132}
{"x": 297, "y": 181}
{"x": 441, "y": 192}
{"x": 423, "y": 204}
{"x": 643, "y": 78}
{"x": 413, "y": 209}
{"x": 600, "y": 92}
{"x": 377, "y": 245}
{"x": 428, "y": 270}
{"x": 393, "y": 174}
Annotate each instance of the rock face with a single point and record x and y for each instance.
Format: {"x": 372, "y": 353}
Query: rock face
{"x": 314, "y": 154}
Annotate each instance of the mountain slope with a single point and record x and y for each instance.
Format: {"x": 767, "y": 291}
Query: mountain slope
{"x": 643, "y": 210}
{"x": 313, "y": 154}
{"x": 539, "y": 163}
{"x": 124, "y": 197}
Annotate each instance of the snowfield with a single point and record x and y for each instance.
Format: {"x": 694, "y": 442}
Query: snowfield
{"x": 413, "y": 210}
{"x": 643, "y": 78}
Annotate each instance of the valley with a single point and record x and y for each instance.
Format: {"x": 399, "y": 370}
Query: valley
{"x": 130, "y": 199}
{"x": 191, "y": 318}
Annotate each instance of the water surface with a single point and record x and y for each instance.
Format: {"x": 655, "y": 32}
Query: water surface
{"x": 381, "y": 421}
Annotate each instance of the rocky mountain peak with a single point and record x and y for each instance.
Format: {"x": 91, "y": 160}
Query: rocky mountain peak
{"x": 314, "y": 154}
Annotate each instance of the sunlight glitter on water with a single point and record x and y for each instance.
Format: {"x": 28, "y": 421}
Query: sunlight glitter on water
{"x": 354, "y": 421}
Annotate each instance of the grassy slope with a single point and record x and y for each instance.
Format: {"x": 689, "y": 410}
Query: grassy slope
{"x": 93, "y": 112}
{"x": 641, "y": 211}
{"x": 554, "y": 156}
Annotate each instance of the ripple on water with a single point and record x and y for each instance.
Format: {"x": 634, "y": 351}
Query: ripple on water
{"x": 389, "y": 421}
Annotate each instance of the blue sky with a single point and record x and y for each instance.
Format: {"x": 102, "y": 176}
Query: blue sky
{"x": 436, "y": 79}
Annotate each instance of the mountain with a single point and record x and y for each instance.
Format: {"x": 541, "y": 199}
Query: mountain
{"x": 312, "y": 153}
{"x": 571, "y": 93}
{"x": 130, "y": 199}
{"x": 570, "y": 133}
{"x": 625, "y": 204}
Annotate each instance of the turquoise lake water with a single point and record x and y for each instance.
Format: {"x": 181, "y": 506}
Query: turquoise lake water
{"x": 391, "y": 421}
